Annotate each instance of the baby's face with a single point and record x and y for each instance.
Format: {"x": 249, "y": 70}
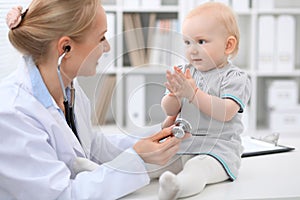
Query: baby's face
{"x": 205, "y": 42}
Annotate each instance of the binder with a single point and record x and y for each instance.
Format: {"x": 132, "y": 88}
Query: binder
{"x": 240, "y": 5}
{"x": 266, "y": 43}
{"x": 131, "y": 4}
{"x": 135, "y": 102}
{"x": 263, "y": 5}
{"x": 286, "y": 40}
{"x": 104, "y": 98}
{"x": 134, "y": 39}
{"x": 151, "y": 4}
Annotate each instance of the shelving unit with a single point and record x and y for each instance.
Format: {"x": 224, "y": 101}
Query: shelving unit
{"x": 257, "y": 118}
{"x": 124, "y": 71}
{"x": 260, "y": 117}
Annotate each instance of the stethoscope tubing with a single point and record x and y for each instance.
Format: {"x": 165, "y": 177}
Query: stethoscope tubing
{"x": 69, "y": 108}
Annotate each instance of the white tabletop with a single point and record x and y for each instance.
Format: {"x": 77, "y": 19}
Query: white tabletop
{"x": 274, "y": 176}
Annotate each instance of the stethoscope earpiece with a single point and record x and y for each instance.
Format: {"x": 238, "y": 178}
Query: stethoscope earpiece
{"x": 67, "y": 48}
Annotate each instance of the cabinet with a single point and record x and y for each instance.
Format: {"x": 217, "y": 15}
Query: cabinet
{"x": 138, "y": 89}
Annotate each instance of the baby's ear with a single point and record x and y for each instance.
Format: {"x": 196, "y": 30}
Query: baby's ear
{"x": 230, "y": 45}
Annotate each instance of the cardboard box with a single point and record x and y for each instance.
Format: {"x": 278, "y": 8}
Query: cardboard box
{"x": 285, "y": 119}
{"x": 282, "y": 93}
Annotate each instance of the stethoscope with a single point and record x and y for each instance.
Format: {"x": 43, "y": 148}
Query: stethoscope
{"x": 69, "y": 107}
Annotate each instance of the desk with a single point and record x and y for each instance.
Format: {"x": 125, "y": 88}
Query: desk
{"x": 274, "y": 176}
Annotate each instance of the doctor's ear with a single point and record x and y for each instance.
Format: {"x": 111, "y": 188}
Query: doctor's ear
{"x": 64, "y": 45}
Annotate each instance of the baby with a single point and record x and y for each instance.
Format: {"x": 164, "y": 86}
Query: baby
{"x": 211, "y": 93}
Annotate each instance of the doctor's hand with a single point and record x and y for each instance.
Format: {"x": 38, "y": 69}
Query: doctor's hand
{"x": 154, "y": 152}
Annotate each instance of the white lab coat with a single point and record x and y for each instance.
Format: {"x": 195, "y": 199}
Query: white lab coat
{"x": 37, "y": 148}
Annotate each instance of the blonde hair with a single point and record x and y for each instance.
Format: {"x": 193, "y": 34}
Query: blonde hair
{"x": 48, "y": 20}
{"x": 225, "y": 15}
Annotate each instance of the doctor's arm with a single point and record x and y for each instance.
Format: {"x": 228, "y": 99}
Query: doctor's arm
{"x": 30, "y": 163}
{"x": 149, "y": 149}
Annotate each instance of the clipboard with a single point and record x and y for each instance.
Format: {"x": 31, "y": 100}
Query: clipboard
{"x": 252, "y": 146}
{"x": 256, "y": 147}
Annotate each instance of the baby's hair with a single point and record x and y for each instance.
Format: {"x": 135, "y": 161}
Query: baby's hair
{"x": 46, "y": 21}
{"x": 225, "y": 15}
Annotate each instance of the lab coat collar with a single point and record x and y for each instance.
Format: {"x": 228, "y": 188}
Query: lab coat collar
{"x": 41, "y": 93}
{"x": 39, "y": 89}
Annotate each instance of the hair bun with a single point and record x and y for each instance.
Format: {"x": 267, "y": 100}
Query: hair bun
{"x": 14, "y": 17}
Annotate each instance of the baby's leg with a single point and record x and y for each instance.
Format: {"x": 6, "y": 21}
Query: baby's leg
{"x": 197, "y": 172}
{"x": 175, "y": 165}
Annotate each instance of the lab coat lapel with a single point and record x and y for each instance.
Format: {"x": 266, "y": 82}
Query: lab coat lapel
{"x": 67, "y": 132}
{"x": 83, "y": 131}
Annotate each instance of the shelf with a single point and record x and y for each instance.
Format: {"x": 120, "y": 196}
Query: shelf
{"x": 144, "y": 70}
{"x": 134, "y": 70}
{"x": 162, "y": 9}
{"x": 110, "y": 8}
{"x": 246, "y": 12}
{"x": 279, "y": 11}
{"x": 110, "y": 70}
{"x": 295, "y": 73}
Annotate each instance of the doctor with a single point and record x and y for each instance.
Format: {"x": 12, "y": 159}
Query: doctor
{"x": 42, "y": 133}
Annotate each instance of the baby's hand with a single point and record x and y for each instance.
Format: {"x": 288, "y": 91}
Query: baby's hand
{"x": 181, "y": 85}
